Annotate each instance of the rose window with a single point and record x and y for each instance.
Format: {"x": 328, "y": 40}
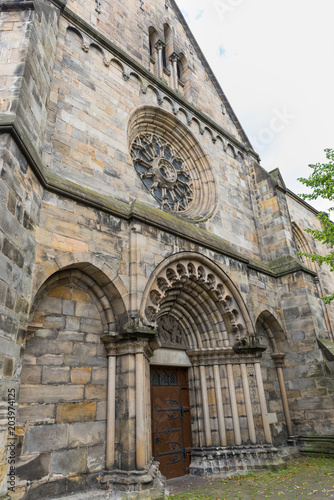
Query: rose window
{"x": 163, "y": 172}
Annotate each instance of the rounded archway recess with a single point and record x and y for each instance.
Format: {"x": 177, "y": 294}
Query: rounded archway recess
{"x": 191, "y": 291}
{"x": 171, "y": 163}
{"x": 97, "y": 284}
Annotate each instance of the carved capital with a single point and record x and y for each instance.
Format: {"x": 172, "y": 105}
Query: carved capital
{"x": 134, "y": 339}
{"x": 220, "y": 356}
{"x": 174, "y": 57}
{"x": 159, "y": 45}
{"x": 278, "y": 359}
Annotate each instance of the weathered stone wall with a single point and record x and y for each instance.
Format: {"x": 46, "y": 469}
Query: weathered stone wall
{"x": 16, "y": 26}
{"x": 310, "y": 373}
{"x": 71, "y": 94}
{"x": 127, "y": 25}
{"x": 304, "y": 218}
{"x": 20, "y": 202}
{"x": 61, "y": 420}
{"x": 87, "y": 140}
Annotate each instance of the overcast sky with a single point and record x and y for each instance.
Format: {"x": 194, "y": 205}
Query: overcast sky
{"x": 275, "y": 62}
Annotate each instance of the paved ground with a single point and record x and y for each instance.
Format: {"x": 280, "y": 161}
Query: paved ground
{"x": 304, "y": 478}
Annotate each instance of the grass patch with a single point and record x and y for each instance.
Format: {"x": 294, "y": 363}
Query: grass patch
{"x": 303, "y": 478}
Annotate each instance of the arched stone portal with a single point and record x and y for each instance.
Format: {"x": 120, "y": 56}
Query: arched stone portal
{"x": 201, "y": 319}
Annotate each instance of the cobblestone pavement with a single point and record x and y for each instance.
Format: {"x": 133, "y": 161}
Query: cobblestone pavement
{"x": 304, "y": 478}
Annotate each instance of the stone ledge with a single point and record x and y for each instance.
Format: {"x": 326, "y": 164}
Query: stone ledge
{"x": 327, "y": 347}
{"x": 230, "y": 460}
{"x": 17, "y": 5}
{"x": 316, "y": 445}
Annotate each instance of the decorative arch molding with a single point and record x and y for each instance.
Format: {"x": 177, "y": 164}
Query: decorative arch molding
{"x": 266, "y": 316}
{"x": 96, "y": 271}
{"x": 197, "y": 295}
{"x": 171, "y": 163}
{"x": 111, "y": 58}
{"x": 81, "y": 280}
{"x": 266, "y": 311}
{"x": 303, "y": 246}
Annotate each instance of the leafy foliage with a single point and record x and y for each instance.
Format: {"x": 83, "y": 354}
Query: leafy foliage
{"x": 321, "y": 181}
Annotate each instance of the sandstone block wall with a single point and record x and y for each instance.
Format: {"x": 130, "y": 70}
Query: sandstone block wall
{"x": 73, "y": 208}
{"x": 61, "y": 419}
{"x": 19, "y": 213}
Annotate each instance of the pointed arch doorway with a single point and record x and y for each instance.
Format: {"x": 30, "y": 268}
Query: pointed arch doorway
{"x": 171, "y": 425}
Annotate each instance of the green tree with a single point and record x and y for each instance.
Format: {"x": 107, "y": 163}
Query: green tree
{"x": 321, "y": 181}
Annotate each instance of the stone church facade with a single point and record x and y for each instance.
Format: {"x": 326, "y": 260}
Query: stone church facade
{"x": 155, "y": 318}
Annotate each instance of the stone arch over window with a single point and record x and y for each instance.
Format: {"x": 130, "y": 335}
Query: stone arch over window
{"x": 63, "y": 392}
{"x": 191, "y": 292}
{"x": 171, "y": 163}
{"x": 302, "y": 246}
{"x": 270, "y": 332}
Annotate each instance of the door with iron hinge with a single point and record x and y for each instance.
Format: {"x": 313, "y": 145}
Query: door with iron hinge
{"x": 171, "y": 425}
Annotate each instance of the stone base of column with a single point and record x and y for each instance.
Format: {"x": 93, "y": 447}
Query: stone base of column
{"x": 126, "y": 485}
{"x": 229, "y": 460}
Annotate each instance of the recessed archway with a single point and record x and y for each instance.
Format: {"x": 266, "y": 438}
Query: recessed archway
{"x": 269, "y": 331}
{"x": 63, "y": 392}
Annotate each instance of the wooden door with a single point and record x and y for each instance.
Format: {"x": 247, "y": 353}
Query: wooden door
{"x": 171, "y": 426}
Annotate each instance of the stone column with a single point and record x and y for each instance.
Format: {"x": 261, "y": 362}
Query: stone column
{"x": 134, "y": 269}
{"x": 159, "y": 46}
{"x": 111, "y": 415}
{"x": 248, "y": 403}
{"x": 204, "y": 390}
{"x": 174, "y": 58}
{"x": 220, "y": 408}
{"x": 141, "y": 420}
{"x": 234, "y": 406}
{"x": 132, "y": 352}
{"x": 263, "y": 404}
{"x": 278, "y": 359}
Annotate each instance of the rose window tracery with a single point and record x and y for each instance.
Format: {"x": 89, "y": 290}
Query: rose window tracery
{"x": 163, "y": 172}
{"x": 172, "y": 164}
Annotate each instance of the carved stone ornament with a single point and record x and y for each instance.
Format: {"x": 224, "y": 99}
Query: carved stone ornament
{"x": 170, "y": 333}
{"x": 163, "y": 172}
{"x": 171, "y": 163}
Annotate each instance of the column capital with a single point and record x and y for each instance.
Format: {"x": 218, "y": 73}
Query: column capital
{"x": 174, "y": 57}
{"x": 129, "y": 342}
{"x": 249, "y": 344}
{"x": 159, "y": 45}
{"x": 278, "y": 359}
